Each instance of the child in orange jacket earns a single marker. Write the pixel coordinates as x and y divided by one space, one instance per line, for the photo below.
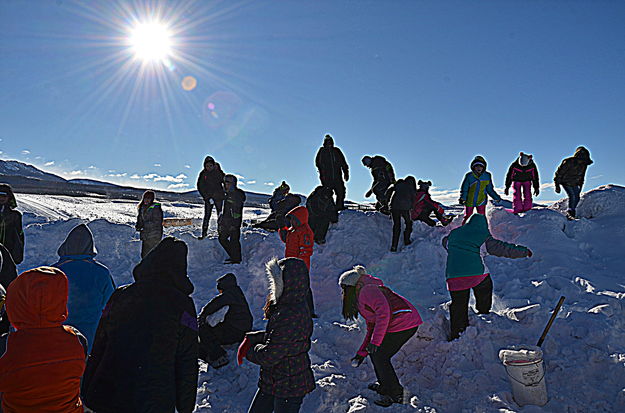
299 240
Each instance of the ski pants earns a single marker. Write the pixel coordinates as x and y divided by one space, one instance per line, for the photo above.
573 191
397 216
338 186
468 211
211 339
427 210
459 308
229 239
319 226
379 190
208 210
268 403
522 196
381 359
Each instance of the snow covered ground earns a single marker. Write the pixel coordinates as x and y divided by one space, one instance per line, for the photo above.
583 260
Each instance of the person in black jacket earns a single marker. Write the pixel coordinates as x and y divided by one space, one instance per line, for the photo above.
11 232
8 273
149 222
144 356
321 212
237 321
280 202
570 175
210 186
383 177
229 222
332 169
401 195
282 350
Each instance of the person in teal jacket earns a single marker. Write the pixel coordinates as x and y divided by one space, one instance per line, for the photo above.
465 269
477 184
90 282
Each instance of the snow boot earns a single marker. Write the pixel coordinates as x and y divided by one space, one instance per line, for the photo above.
386 400
446 220
375 386
219 363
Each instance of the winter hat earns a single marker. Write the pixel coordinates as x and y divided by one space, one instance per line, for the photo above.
284 186
230 178
209 159
328 140
524 159
351 277
366 160
478 160
425 185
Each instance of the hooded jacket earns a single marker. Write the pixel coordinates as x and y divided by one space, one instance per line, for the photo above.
283 354
144 358
41 369
382 173
150 221
475 187
11 232
331 163
384 311
517 172
422 199
232 213
320 205
238 315
90 283
298 238
402 194
210 183
572 170
463 252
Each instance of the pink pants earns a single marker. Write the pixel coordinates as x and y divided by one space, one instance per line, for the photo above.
468 211
522 197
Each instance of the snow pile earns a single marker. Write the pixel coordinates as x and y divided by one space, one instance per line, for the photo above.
582 260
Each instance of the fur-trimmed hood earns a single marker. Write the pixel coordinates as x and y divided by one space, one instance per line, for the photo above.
12 201
288 280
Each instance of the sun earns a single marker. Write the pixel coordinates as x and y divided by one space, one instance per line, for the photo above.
151 42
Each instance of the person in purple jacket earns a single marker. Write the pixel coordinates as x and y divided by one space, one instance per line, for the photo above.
391 321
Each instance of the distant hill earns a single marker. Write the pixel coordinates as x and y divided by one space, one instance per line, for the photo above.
25 178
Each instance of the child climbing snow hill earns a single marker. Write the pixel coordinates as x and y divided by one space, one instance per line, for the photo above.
522 175
475 189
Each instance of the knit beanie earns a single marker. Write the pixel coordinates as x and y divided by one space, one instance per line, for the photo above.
351 277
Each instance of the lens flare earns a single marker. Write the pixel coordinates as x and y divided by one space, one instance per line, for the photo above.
189 83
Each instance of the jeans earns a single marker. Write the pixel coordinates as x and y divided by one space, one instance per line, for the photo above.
267 403
229 238
381 359
208 210
459 308
573 193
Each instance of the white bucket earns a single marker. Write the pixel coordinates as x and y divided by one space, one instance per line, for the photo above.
524 366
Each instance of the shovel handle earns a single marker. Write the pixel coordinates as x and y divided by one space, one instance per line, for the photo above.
548 326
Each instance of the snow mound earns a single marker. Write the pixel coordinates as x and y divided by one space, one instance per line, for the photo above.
583 260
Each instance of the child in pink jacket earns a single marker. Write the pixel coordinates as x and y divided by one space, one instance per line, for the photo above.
391 321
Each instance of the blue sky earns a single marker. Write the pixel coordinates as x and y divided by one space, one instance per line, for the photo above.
428 84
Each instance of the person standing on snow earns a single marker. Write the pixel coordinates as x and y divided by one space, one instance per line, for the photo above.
465 269
333 169
149 222
90 282
210 186
391 322
522 175
298 238
321 212
475 188
401 197
236 320
280 202
144 357
44 360
8 272
570 175
230 220
423 206
11 232
282 350
383 177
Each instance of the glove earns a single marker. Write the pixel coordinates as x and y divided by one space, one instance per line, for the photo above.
507 191
243 349
372 348
368 194
357 360
536 191
557 188
461 201
346 176
529 253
